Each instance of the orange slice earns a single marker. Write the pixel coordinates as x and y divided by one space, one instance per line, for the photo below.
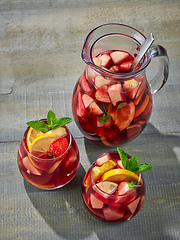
123 116
31 135
119 175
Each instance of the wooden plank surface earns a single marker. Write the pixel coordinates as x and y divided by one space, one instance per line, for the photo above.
40 52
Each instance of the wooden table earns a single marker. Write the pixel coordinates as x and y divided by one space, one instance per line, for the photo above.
40 47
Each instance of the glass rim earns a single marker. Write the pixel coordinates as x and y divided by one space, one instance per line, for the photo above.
47 159
112 194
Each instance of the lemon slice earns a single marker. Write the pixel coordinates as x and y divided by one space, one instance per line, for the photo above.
119 175
41 144
31 135
107 187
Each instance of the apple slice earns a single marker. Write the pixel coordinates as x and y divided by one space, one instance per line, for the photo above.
87 100
111 214
115 93
97 61
105 60
95 109
125 66
100 81
30 167
101 160
102 94
96 203
118 57
133 205
131 88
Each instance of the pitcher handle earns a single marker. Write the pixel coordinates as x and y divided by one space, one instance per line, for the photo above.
162 75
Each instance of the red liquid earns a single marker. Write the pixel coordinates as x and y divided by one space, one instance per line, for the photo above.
49 173
106 95
111 207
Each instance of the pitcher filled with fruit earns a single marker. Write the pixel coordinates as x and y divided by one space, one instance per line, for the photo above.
111 104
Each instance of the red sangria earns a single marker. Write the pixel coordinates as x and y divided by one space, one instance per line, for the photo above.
48 155
113 188
108 110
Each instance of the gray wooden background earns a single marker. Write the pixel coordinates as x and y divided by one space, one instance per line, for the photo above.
40 62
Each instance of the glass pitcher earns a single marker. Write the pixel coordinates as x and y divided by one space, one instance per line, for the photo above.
111 105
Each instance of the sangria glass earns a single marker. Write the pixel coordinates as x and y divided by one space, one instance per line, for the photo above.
45 171
111 105
112 201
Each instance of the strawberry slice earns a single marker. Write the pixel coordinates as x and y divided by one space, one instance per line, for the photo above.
118 57
102 94
59 147
125 66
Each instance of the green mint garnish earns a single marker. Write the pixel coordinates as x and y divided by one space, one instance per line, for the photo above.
106 116
132 163
52 122
132 184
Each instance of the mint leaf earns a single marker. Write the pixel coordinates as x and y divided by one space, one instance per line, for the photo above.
63 121
50 117
123 157
132 184
103 119
52 122
133 163
142 167
39 125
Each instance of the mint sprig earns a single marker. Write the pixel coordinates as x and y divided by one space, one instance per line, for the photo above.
132 184
52 122
132 163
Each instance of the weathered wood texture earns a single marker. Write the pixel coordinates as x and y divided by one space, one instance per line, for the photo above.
40 47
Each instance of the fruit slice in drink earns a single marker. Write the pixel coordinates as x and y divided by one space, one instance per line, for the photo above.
123 116
40 149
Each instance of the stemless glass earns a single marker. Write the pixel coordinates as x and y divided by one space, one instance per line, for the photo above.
45 171
111 207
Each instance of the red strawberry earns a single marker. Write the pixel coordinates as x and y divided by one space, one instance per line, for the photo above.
58 147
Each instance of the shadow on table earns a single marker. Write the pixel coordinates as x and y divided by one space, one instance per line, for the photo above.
65 213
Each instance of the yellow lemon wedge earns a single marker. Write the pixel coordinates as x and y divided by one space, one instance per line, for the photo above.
31 135
119 175
99 171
